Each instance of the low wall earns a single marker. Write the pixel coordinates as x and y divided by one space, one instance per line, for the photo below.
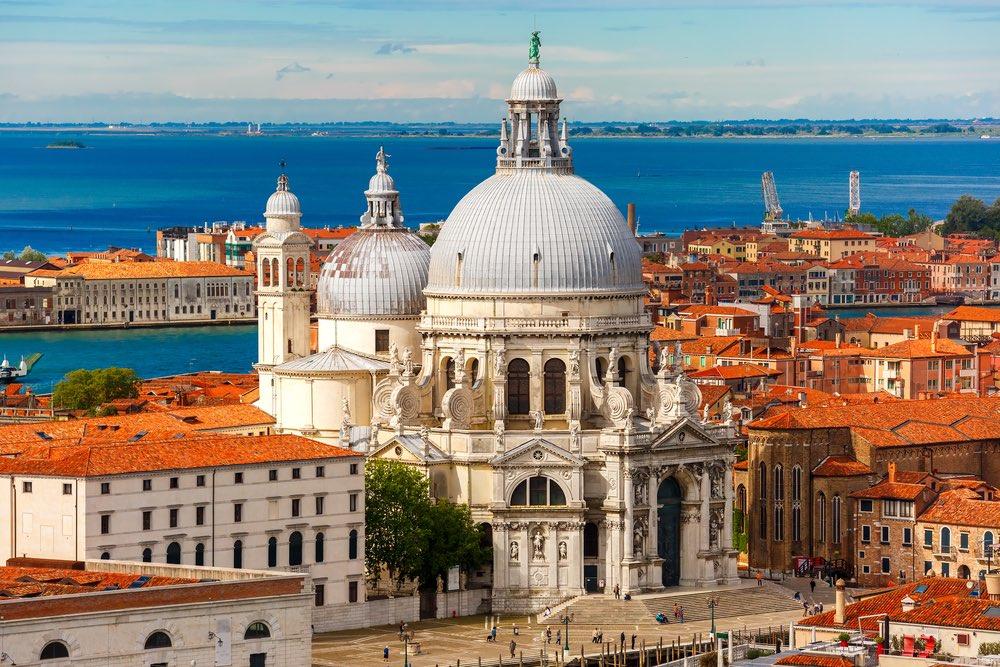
393 611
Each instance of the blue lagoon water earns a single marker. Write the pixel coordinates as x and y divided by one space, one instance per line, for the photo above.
120 188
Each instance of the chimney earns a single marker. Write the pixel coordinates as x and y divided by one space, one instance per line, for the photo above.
916 332
934 341
802 400
840 612
631 218
909 604
993 586
837 338
892 472
908 334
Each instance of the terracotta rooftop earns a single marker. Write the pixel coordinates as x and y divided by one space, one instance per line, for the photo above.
150 270
831 234
666 333
958 508
698 310
737 372
338 233
974 314
870 609
896 490
718 345
814 660
840 466
957 418
32 582
920 349
957 612
183 454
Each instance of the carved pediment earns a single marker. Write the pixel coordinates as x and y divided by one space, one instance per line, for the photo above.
409 448
537 452
684 433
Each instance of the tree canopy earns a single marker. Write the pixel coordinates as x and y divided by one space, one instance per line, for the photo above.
969 214
89 389
411 535
893 224
28 254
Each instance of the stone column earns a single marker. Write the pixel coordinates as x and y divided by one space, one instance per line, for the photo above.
537 399
574 557
524 536
629 492
612 556
552 555
652 485
727 521
706 499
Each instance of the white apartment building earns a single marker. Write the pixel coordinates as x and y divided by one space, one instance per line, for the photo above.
273 502
147 292
100 613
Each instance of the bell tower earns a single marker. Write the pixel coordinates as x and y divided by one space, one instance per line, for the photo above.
283 289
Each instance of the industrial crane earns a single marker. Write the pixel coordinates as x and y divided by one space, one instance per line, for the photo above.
854 207
772 209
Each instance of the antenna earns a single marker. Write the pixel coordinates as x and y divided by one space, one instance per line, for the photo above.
282 164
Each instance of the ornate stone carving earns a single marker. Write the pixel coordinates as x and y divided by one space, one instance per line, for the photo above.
393 358
714 527
574 436
405 404
457 405
498 435
727 411
610 374
640 487
717 472
639 538
515 551
382 399
619 402
538 420
459 367
574 365
408 362
499 363
538 544
563 553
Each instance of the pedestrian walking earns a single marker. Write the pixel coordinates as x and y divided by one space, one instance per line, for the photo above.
559 637
623 640
548 635
385 654
682 613
517 630
593 637
513 647
812 586
760 579
805 608
618 592
493 634
676 613
633 641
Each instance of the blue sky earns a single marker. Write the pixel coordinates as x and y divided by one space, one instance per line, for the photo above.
441 60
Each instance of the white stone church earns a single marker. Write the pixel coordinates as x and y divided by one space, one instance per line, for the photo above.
511 363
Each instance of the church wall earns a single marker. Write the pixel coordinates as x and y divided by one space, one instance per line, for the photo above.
316 404
359 335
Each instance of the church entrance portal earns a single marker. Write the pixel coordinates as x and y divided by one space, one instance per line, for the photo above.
668 538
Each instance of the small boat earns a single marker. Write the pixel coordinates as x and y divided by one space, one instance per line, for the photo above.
986 136
10 373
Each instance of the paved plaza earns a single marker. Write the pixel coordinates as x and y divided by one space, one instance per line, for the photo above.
445 642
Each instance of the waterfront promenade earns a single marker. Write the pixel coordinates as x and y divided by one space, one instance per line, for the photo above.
446 642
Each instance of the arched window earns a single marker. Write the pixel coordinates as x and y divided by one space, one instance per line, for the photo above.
538 491
238 554
199 554
779 522
449 373
174 553
591 540
796 483
779 483
158 639
762 480
518 387
147 555
555 387
275 272
272 552
290 272
197 291
601 366
741 505
295 549
257 630
265 273
105 556
473 370
796 522
820 517
319 547
300 272
352 545
835 519
945 539
623 371
987 543
54 651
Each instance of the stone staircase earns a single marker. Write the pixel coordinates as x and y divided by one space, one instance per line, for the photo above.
597 610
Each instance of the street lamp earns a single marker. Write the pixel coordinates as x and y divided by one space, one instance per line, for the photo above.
406 650
712 604
566 632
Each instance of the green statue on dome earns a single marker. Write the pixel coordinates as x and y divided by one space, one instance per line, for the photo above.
536 42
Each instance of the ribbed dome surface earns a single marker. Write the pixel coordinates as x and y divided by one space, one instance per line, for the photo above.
381 182
282 202
534 83
535 232
375 271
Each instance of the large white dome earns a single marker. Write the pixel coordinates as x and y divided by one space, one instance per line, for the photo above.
535 231
533 83
379 272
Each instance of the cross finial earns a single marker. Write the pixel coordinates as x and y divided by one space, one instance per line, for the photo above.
282 179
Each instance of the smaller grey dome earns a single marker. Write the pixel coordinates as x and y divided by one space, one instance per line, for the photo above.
376 271
381 182
534 83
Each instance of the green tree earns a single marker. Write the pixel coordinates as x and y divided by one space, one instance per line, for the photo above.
408 534
27 254
967 214
88 389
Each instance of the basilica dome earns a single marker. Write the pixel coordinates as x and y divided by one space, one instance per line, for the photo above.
381 269
533 83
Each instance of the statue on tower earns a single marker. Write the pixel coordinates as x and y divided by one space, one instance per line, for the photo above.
536 42
381 160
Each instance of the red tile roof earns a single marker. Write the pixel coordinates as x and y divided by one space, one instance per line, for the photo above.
740 371
831 234
896 490
697 310
870 609
151 270
189 453
974 314
840 466
814 660
958 508
922 348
